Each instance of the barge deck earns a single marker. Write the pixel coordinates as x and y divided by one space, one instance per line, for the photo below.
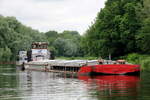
82 67
59 66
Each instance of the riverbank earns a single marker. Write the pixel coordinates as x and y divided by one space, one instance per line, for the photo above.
143 60
134 58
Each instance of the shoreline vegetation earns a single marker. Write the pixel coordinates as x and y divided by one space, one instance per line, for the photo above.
134 58
121 29
143 60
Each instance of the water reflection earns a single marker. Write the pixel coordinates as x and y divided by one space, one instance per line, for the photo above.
113 85
32 85
8 83
50 86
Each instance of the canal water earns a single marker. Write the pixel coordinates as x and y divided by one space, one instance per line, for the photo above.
32 85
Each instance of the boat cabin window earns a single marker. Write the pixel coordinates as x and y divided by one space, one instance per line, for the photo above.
39 45
33 46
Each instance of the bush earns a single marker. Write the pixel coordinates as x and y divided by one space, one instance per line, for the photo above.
133 58
143 60
145 63
5 54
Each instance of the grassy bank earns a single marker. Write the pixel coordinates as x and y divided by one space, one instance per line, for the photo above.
143 60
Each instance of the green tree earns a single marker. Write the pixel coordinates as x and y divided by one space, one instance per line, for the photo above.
114 30
66 43
143 39
14 37
51 36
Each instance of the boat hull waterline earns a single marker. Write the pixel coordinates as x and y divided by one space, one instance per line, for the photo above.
110 69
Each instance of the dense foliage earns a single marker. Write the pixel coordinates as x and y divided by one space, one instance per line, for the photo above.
65 43
122 27
14 37
143 60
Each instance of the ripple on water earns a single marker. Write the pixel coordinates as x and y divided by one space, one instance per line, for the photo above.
31 85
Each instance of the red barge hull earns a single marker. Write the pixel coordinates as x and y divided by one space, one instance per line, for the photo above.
110 69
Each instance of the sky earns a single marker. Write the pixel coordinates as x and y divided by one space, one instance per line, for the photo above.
58 15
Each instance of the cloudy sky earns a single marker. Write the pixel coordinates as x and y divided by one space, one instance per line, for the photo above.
58 15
